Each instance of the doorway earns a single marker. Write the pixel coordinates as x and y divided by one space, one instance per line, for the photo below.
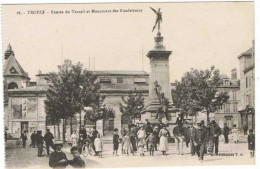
108 127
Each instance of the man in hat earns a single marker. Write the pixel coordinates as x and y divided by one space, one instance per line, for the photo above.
58 159
199 140
214 132
48 141
39 142
156 134
226 130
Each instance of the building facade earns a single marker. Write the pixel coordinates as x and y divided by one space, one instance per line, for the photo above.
247 88
228 112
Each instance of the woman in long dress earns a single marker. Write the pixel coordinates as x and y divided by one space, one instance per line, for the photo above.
163 146
127 146
74 139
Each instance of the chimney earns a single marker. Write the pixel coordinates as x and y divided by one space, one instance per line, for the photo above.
234 76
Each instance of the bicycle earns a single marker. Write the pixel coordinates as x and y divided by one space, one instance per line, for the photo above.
87 148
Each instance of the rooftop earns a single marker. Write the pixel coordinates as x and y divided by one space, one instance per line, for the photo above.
246 53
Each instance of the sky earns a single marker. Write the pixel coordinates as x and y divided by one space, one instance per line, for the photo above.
199 35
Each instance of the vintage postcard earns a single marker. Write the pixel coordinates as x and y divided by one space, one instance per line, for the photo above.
115 85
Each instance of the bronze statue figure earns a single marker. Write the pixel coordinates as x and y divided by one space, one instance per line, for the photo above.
158 18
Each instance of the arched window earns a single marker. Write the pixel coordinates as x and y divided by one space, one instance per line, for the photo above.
12 85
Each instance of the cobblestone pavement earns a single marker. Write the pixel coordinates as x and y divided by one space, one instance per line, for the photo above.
229 154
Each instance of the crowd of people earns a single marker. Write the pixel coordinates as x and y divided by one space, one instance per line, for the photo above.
200 138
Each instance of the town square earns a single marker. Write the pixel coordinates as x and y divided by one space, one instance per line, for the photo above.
144 85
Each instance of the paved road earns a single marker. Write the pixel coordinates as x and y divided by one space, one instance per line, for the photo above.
17 158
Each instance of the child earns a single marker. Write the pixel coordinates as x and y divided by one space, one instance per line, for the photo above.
251 143
98 143
77 162
151 140
235 134
115 142
126 144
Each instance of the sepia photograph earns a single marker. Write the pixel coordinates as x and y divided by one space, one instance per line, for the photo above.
128 85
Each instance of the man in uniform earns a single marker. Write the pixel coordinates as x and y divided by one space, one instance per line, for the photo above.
48 141
214 133
58 159
199 140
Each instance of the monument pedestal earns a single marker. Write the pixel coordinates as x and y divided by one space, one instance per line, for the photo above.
160 73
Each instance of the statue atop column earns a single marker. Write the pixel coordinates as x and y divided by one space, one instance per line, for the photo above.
158 19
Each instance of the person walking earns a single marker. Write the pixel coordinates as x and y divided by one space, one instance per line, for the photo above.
24 138
178 133
39 142
214 134
199 140
48 138
191 133
163 146
226 130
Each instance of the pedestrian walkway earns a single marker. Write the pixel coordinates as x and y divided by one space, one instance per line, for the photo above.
229 154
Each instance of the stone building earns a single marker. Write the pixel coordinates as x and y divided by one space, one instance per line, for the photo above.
27 112
247 87
14 77
228 112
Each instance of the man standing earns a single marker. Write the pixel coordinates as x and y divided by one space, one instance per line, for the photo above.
58 159
156 134
148 131
245 128
39 141
24 138
226 130
199 140
83 132
48 141
191 133
214 137
33 135
178 133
